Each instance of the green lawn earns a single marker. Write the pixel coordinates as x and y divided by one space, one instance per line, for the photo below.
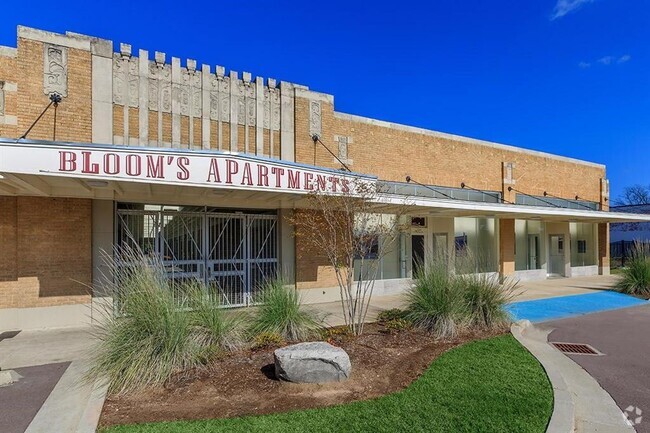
493 385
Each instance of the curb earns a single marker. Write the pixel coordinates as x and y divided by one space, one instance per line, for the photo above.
563 417
93 410
580 403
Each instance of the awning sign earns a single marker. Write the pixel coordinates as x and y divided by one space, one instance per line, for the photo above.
203 169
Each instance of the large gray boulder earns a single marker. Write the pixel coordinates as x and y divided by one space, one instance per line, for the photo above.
316 362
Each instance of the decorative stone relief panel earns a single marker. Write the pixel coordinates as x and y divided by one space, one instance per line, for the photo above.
190 92
125 80
343 144
199 94
220 98
343 148
239 98
251 109
271 108
160 87
508 168
315 121
55 69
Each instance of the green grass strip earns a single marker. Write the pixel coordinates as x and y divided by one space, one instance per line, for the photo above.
492 385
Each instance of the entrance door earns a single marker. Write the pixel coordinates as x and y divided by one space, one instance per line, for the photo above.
417 254
556 255
533 252
233 253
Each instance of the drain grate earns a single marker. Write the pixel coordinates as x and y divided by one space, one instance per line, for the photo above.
576 349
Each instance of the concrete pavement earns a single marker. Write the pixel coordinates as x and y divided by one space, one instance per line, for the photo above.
623 371
72 406
529 290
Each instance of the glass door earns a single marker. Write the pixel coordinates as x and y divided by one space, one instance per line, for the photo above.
556 255
417 254
533 252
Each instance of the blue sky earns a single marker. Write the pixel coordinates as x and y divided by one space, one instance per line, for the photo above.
570 77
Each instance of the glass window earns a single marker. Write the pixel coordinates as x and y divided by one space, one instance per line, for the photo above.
529 245
388 266
583 244
475 240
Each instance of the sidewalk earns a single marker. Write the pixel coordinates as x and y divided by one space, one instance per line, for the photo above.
72 406
528 291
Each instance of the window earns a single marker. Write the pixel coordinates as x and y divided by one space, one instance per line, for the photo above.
582 246
368 247
418 222
584 242
461 243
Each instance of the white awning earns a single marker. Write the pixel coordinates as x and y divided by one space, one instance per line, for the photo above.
459 208
45 168
208 177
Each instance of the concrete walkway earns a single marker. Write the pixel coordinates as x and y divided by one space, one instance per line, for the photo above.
529 290
73 406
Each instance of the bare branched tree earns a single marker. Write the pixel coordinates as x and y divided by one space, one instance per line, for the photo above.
349 232
633 195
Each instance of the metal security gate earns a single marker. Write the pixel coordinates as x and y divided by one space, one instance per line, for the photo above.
233 253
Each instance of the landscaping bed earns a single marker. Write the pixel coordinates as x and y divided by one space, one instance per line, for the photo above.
491 385
243 383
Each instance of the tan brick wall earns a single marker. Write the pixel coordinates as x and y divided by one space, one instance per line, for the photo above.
506 246
313 269
45 243
8 253
74 112
8 74
603 247
46 251
393 153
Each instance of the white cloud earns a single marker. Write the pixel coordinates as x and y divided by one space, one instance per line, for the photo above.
607 60
563 7
624 58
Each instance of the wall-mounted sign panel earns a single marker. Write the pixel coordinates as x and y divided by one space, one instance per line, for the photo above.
171 167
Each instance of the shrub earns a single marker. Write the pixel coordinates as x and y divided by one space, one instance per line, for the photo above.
337 334
216 329
636 275
397 324
486 298
153 338
161 327
392 314
267 339
281 312
435 302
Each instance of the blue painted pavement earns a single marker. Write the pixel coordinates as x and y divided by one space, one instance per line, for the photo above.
560 307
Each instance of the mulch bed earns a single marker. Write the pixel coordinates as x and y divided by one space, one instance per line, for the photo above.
244 384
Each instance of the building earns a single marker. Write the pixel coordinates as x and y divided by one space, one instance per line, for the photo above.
631 231
625 235
201 166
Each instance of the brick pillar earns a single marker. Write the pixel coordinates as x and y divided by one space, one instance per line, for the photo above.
603 231
506 247
603 248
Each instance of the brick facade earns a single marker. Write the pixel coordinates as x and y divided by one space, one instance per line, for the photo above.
38 265
45 257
